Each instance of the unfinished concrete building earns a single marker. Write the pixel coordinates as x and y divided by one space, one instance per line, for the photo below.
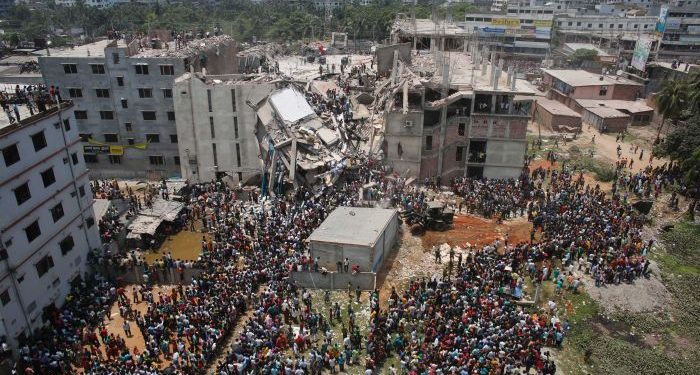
123 98
427 34
453 115
216 125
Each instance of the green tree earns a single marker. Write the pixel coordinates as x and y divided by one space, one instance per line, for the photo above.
671 101
584 54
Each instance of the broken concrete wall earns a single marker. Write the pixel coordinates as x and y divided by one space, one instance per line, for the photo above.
403 144
385 56
220 59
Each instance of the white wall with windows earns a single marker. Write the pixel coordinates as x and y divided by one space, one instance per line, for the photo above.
47 227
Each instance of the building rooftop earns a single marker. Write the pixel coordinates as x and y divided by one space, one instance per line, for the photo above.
632 106
353 225
143 48
291 105
577 78
420 26
606 112
680 68
95 49
556 108
26 119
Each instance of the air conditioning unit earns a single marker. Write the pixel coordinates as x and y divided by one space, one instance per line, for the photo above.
408 124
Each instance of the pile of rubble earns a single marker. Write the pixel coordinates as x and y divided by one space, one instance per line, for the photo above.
191 48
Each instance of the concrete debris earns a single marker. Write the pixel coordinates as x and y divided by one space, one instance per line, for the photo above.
191 48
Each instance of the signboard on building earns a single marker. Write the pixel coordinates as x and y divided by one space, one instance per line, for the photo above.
661 23
672 24
542 23
508 22
641 53
95 149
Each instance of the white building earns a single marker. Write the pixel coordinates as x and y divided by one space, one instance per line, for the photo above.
216 122
48 225
105 3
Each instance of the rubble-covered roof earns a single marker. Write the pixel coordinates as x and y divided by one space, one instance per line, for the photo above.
191 48
422 26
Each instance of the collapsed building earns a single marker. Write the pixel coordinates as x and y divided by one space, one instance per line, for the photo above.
454 114
271 128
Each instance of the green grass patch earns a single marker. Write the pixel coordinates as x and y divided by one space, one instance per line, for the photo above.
682 244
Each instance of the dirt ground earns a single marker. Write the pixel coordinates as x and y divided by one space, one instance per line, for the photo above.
184 245
476 231
115 322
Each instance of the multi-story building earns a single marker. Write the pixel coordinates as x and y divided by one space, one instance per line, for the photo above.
469 119
521 33
216 126
614 33
5 5
681 37
123 99
105 3
48 226
567 86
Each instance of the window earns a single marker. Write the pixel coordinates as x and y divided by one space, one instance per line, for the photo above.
238 155
84 137
235 127
619 26
107 115
80 115
211 127
462 127
125 103
141 69
66 245
167 70
97 68
171 115
612 25
48 177
39 141
111 137
10 154
130 141
173 138
90 222
600 25
153 138
57 212
167 93
81 190
459 156
145 93
120 81
590 25
176 160
90 158
115 58
149 115
636 26
155 160
74 158
66 124
603 91
102 93
429 142
70 68
5 297
128 127
32 231
213 152
75 93
115 159
209 99
22 193
44 265
233 99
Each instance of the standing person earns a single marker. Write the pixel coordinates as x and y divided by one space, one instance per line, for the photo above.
127 328
15 108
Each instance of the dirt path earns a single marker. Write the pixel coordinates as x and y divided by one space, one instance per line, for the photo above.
226 346
606 147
